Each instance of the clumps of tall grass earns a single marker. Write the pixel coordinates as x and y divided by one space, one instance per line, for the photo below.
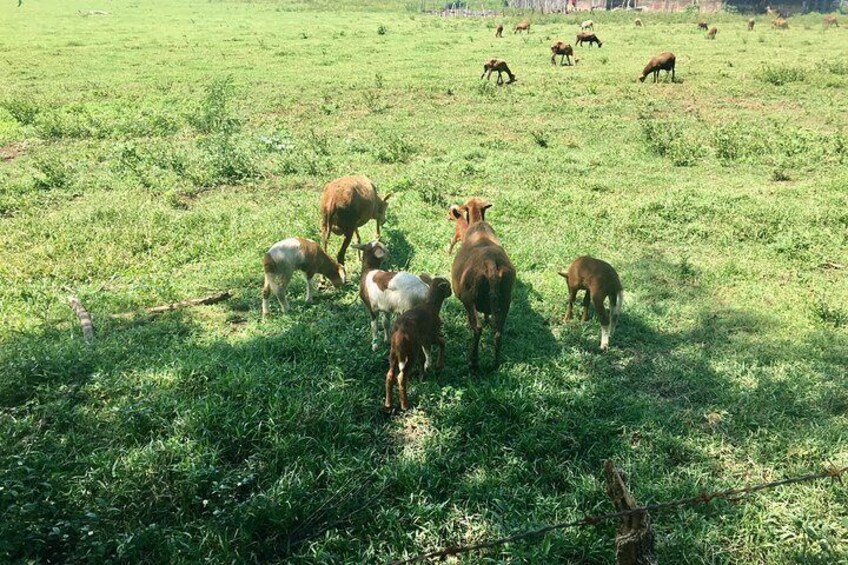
391 147
309 155
52 172
779 75
677 139
23 110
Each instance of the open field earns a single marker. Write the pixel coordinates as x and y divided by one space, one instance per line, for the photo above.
154 154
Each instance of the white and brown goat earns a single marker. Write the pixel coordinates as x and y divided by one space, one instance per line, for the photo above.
599 280
416 330
461 224
347 204
296 254
482 277
386 293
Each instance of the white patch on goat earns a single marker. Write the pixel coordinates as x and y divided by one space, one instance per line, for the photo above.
426 358
605 335
403 292
401 365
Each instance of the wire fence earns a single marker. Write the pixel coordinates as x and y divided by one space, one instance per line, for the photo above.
731 495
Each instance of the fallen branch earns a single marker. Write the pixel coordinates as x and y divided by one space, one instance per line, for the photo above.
84 318
205 301
832 265
93 13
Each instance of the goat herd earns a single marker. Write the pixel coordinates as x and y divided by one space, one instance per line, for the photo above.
662 62
482 278
482 275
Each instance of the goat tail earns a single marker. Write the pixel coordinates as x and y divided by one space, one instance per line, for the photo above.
493 274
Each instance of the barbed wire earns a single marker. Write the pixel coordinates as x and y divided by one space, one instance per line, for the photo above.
703 498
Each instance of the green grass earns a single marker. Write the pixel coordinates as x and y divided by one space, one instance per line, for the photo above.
154 154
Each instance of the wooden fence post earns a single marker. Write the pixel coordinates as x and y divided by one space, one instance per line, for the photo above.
634 540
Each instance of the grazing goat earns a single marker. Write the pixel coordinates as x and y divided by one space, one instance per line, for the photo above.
600 281
482 277
703 25
296 254
588 24
712 33
417 329
830 21
386 292
499 31
589 38
662 62
751 23
638 22
455 215
780 23
564 49
347 204
523 26
501 67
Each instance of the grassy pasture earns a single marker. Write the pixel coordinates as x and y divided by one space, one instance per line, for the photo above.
153 154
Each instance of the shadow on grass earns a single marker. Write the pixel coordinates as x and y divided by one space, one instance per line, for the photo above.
253 441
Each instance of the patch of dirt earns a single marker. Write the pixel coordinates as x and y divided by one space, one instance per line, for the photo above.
12 151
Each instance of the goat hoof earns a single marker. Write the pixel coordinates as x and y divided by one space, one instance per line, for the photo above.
375 346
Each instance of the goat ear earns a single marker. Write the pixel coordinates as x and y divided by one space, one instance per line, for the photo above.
386 197
454 213
563 274
486 205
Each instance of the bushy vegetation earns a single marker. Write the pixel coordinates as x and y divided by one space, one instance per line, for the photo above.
155 153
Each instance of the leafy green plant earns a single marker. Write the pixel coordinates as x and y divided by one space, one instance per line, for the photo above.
779 75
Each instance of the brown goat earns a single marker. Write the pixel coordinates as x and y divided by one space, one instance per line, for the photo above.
638 22
662 62
417 329
501 67
499 31
455 215
830 21
600 281
483 277
780 23
712 33
751 23
563 49
588 37
703 25
523 26
347 204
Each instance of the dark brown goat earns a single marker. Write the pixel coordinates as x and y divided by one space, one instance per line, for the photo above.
662 62
588 37
563 49
347 204
416 330
501 67
703 25
712 33
600 281
483 277
499 31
